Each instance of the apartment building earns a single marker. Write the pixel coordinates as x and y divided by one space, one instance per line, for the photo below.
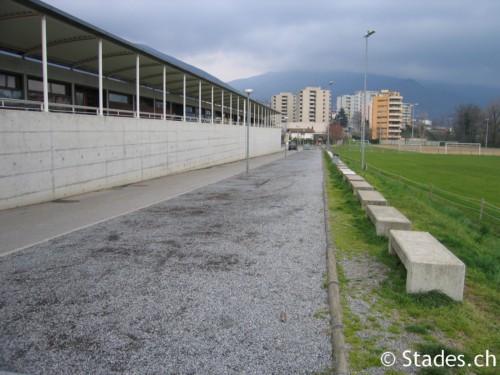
344 101
355 106
386 114
406 115
312 105
284 103
309 105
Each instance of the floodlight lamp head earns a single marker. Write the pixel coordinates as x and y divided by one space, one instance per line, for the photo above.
248 91
330 83
369 32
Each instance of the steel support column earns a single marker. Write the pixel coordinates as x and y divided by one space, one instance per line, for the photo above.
137 87
222 108
230 109
101 86
184 98
199 102
212 100
44 65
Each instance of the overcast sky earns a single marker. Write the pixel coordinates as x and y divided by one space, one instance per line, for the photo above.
446 40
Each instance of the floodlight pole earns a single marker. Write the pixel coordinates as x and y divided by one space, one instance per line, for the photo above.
486 139
248 92
366 36
412 118
328 118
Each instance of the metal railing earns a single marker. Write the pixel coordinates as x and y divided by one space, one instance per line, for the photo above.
31 105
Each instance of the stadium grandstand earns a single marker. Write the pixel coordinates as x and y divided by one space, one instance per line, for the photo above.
77 106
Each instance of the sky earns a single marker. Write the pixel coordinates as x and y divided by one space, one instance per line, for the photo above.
442 40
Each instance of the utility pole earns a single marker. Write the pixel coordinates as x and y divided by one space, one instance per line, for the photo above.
363 124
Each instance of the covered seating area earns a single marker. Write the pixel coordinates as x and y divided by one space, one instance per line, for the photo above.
53 61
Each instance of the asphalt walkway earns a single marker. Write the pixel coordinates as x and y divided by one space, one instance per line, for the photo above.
226 278
25 226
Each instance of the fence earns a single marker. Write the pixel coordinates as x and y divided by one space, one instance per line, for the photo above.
476 208
31 105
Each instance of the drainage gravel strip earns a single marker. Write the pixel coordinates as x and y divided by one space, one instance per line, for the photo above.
226 279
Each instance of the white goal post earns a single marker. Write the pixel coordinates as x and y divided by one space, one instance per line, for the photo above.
410 147
357 144
462 148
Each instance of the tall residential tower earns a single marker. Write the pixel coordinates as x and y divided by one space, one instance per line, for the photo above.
386 115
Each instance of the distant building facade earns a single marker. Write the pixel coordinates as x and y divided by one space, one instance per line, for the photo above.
311 104
344 101
355 106
305 113
406 115
284 103
386 115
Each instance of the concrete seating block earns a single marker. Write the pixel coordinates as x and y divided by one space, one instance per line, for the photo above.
353 177
429 264
385 218
366 197
347 171
360 185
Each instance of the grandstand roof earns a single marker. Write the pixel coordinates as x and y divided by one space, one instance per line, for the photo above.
73 43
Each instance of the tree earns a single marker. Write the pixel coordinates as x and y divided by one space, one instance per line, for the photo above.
356 123
337 132
493 116
469 119
341 118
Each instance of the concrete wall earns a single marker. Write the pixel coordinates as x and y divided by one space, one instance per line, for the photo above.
48 156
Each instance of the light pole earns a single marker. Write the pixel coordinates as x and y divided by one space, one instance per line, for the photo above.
285 138
486 139
363 125
248 92
328 119
412 117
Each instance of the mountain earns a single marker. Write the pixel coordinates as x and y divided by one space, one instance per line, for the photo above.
438 100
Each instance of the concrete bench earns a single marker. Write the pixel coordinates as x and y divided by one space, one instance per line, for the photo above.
366 197
429 265
360 185
347 171
353 177
385 218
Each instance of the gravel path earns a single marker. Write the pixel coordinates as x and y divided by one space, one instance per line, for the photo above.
197 284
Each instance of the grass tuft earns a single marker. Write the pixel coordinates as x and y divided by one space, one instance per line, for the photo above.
422 328
432 300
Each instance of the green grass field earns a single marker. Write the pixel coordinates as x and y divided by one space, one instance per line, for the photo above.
476 242
477 177
470 326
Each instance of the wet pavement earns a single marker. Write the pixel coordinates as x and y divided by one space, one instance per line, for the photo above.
225 279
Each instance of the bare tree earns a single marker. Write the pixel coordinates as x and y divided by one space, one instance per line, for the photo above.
469 120
492 113
356 122
337 132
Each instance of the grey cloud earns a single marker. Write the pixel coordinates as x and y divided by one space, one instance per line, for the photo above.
453 40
